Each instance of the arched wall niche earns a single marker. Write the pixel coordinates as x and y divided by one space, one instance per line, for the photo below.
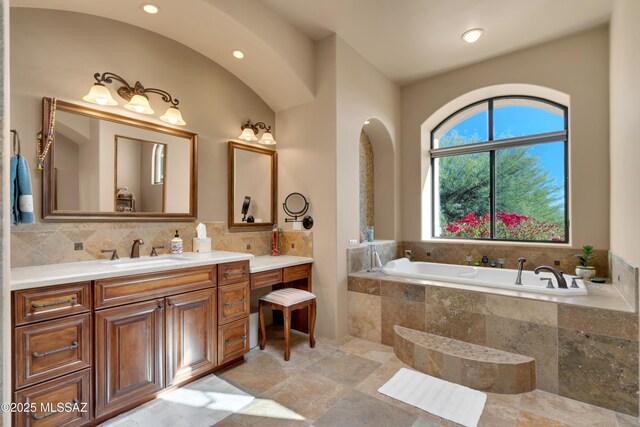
384 194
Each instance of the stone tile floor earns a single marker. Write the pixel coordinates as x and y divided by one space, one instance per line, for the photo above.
336 384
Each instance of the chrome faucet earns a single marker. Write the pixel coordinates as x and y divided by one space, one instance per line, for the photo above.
521 262
558 275
135 249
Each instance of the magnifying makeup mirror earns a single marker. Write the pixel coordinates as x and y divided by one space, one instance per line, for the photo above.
245 210
296 205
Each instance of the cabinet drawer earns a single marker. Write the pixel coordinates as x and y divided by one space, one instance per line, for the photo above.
124 290
71 391
233 340
32 305
48 349
233 302
296 272
266 278
233 272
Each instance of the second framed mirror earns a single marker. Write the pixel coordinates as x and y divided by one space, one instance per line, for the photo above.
252 187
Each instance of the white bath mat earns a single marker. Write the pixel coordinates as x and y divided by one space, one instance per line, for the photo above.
447 400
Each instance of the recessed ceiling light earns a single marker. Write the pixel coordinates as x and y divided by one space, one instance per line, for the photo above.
150 8
238 54
472 36
366 122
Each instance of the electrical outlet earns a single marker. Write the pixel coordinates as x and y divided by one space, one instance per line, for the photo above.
353 242
428 253
556 262
78 246
248 247
293 246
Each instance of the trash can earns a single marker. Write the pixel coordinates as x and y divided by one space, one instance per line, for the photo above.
254 323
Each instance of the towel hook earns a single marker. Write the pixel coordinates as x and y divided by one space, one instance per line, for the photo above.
16 142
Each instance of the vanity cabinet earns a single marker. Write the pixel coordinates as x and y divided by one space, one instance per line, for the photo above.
129 354
116 343
191 335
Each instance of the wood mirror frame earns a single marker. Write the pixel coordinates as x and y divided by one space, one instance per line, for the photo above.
53 215
231 191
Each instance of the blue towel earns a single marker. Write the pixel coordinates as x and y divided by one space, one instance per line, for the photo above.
21 194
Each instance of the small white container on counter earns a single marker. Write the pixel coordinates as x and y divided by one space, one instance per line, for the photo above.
202 244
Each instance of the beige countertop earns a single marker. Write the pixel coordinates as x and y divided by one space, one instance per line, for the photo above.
56 274
267 262
604 296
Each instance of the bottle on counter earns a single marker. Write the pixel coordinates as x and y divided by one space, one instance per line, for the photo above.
176 244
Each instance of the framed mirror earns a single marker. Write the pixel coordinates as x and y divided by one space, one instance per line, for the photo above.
252 187
104 166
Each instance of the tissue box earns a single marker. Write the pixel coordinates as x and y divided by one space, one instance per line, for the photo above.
202 244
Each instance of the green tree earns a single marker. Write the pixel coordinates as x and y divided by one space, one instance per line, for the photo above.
523 185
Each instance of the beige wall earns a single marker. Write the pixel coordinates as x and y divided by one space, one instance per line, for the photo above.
625 111
576 65
307 164
5 291
214 103
319 156
67 166
363 92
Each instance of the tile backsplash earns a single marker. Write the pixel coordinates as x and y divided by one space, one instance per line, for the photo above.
51 243
455 253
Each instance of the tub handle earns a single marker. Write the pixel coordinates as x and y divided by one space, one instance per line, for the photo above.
549 282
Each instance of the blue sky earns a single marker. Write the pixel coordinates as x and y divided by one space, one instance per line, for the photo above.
518 121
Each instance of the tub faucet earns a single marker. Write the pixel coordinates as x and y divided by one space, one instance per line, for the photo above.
135 249
521 262
558 275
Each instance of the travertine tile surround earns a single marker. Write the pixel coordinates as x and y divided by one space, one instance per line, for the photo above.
624 277
455 253
51 243
588 354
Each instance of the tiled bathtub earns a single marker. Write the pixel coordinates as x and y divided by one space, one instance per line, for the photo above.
586 350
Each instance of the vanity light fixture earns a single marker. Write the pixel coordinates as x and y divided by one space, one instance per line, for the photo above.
238 54
250 132
366 122
136 95
472 35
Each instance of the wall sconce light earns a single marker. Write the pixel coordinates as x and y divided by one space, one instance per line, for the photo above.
249 132
136 95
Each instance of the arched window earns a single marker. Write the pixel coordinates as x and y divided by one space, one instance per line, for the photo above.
157 164
499 171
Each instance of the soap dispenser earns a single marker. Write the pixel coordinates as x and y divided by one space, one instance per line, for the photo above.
176 244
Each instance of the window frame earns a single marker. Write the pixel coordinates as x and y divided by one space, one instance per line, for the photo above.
158 155
491 146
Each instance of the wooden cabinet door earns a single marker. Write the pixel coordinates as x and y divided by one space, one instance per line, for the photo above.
191 335
129 354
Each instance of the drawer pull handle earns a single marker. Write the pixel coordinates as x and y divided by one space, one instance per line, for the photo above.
54 303
59 350
231 304
230 343
231 273
42 417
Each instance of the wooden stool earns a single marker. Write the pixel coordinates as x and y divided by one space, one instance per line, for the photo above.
287 300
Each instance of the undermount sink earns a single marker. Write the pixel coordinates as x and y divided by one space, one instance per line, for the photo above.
147 261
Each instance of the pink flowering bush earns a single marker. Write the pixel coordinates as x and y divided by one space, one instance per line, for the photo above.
508 226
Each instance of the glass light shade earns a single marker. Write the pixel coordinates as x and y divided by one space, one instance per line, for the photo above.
100 95
173 116
139 104
248 135
267 139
